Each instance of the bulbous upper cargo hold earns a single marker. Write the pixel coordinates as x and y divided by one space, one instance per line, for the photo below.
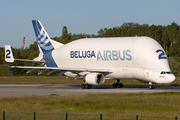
115 52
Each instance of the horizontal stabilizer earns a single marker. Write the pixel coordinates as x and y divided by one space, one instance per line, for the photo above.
10 58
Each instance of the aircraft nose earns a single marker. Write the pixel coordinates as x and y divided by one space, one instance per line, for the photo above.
172 77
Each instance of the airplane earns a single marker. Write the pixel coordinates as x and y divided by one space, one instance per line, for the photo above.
95 60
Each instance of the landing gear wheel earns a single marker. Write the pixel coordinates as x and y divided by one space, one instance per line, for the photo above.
90 86
86 86
121 85
117 85
114 85
151 86
83 86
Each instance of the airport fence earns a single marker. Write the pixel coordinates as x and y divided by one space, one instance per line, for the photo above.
59 116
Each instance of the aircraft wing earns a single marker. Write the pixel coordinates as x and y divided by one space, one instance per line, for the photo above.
53 69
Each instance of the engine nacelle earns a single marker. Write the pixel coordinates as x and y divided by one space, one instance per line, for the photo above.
94 78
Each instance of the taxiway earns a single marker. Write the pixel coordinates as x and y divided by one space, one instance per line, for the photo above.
10 90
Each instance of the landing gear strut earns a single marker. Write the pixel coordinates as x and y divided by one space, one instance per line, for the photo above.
151 85
86 86
117 85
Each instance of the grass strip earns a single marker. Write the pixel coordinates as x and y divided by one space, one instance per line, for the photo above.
142 104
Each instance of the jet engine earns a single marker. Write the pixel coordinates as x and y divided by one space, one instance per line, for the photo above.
94 78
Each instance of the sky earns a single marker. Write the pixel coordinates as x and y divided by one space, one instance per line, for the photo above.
80 16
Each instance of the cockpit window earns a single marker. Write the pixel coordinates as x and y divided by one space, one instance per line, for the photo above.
163 72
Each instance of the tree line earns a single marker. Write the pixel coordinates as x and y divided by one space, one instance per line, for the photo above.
167 36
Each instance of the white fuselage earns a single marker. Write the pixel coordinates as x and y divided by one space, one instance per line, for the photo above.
139 58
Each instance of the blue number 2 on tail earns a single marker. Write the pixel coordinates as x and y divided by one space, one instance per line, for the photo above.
162 55
8 53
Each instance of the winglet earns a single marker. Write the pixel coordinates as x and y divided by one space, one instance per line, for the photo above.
8 54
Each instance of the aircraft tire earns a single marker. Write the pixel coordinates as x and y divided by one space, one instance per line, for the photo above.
86 86
121 85
118 85
90 86
114 85
83 86
151 87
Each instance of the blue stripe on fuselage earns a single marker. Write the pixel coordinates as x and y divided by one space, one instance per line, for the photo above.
49 59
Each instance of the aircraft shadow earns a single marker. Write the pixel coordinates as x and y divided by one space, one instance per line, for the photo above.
126 86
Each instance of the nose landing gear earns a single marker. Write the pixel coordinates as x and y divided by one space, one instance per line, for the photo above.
117 85
151 85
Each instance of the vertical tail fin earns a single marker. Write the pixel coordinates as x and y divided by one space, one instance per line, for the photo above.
42 37
46 44
8 54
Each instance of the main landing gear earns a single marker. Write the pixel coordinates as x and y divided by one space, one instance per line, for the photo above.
151 85
117 85
86 86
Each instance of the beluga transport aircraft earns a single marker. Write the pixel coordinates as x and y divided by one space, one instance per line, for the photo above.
95 59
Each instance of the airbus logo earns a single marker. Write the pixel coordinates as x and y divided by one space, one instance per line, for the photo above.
105 55
114 55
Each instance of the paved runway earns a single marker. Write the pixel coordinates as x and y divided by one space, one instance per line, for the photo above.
8 90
